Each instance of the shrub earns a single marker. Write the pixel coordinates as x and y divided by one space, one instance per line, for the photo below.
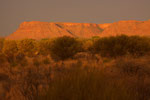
24 62
10 48
81 84
1 44
46 61
21 59
44 46
121 45
36 62
138 46
87 45
2 59
28 47
102 46
64 48
131 66
135 73
20 56
107 46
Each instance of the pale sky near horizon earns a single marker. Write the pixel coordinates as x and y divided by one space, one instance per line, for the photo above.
14 12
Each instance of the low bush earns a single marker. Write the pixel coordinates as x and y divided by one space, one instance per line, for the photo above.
27 47
85 84
2 59
130 66
36 62
64 48
21 59
10 48
122 45
138 46
86 45
46 61
111 46
1 44
44 46
136 74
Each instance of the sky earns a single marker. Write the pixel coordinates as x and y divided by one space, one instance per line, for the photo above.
14 12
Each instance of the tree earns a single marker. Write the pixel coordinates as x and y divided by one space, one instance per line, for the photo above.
28 47
112 46
87 44
1 44
10 50
138 46
122 45
44 46
64 48
103 46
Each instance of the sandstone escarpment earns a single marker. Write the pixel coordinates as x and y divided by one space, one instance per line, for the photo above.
140 28
40 30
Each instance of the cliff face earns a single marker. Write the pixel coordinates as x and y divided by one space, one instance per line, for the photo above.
140 28
39 30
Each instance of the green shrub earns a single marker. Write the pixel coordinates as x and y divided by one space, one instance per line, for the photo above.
82 84
21 59
28 47
10 48
86 45
2 59
1 44
36 62
24 62
44 46
64 48
121 45
138 46
137 72
102 46
46 61
20 56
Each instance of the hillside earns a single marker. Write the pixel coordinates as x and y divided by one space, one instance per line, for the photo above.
39 30
131 27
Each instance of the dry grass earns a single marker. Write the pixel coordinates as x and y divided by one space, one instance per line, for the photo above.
84 77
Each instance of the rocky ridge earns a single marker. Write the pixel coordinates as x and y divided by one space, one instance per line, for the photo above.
40 30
